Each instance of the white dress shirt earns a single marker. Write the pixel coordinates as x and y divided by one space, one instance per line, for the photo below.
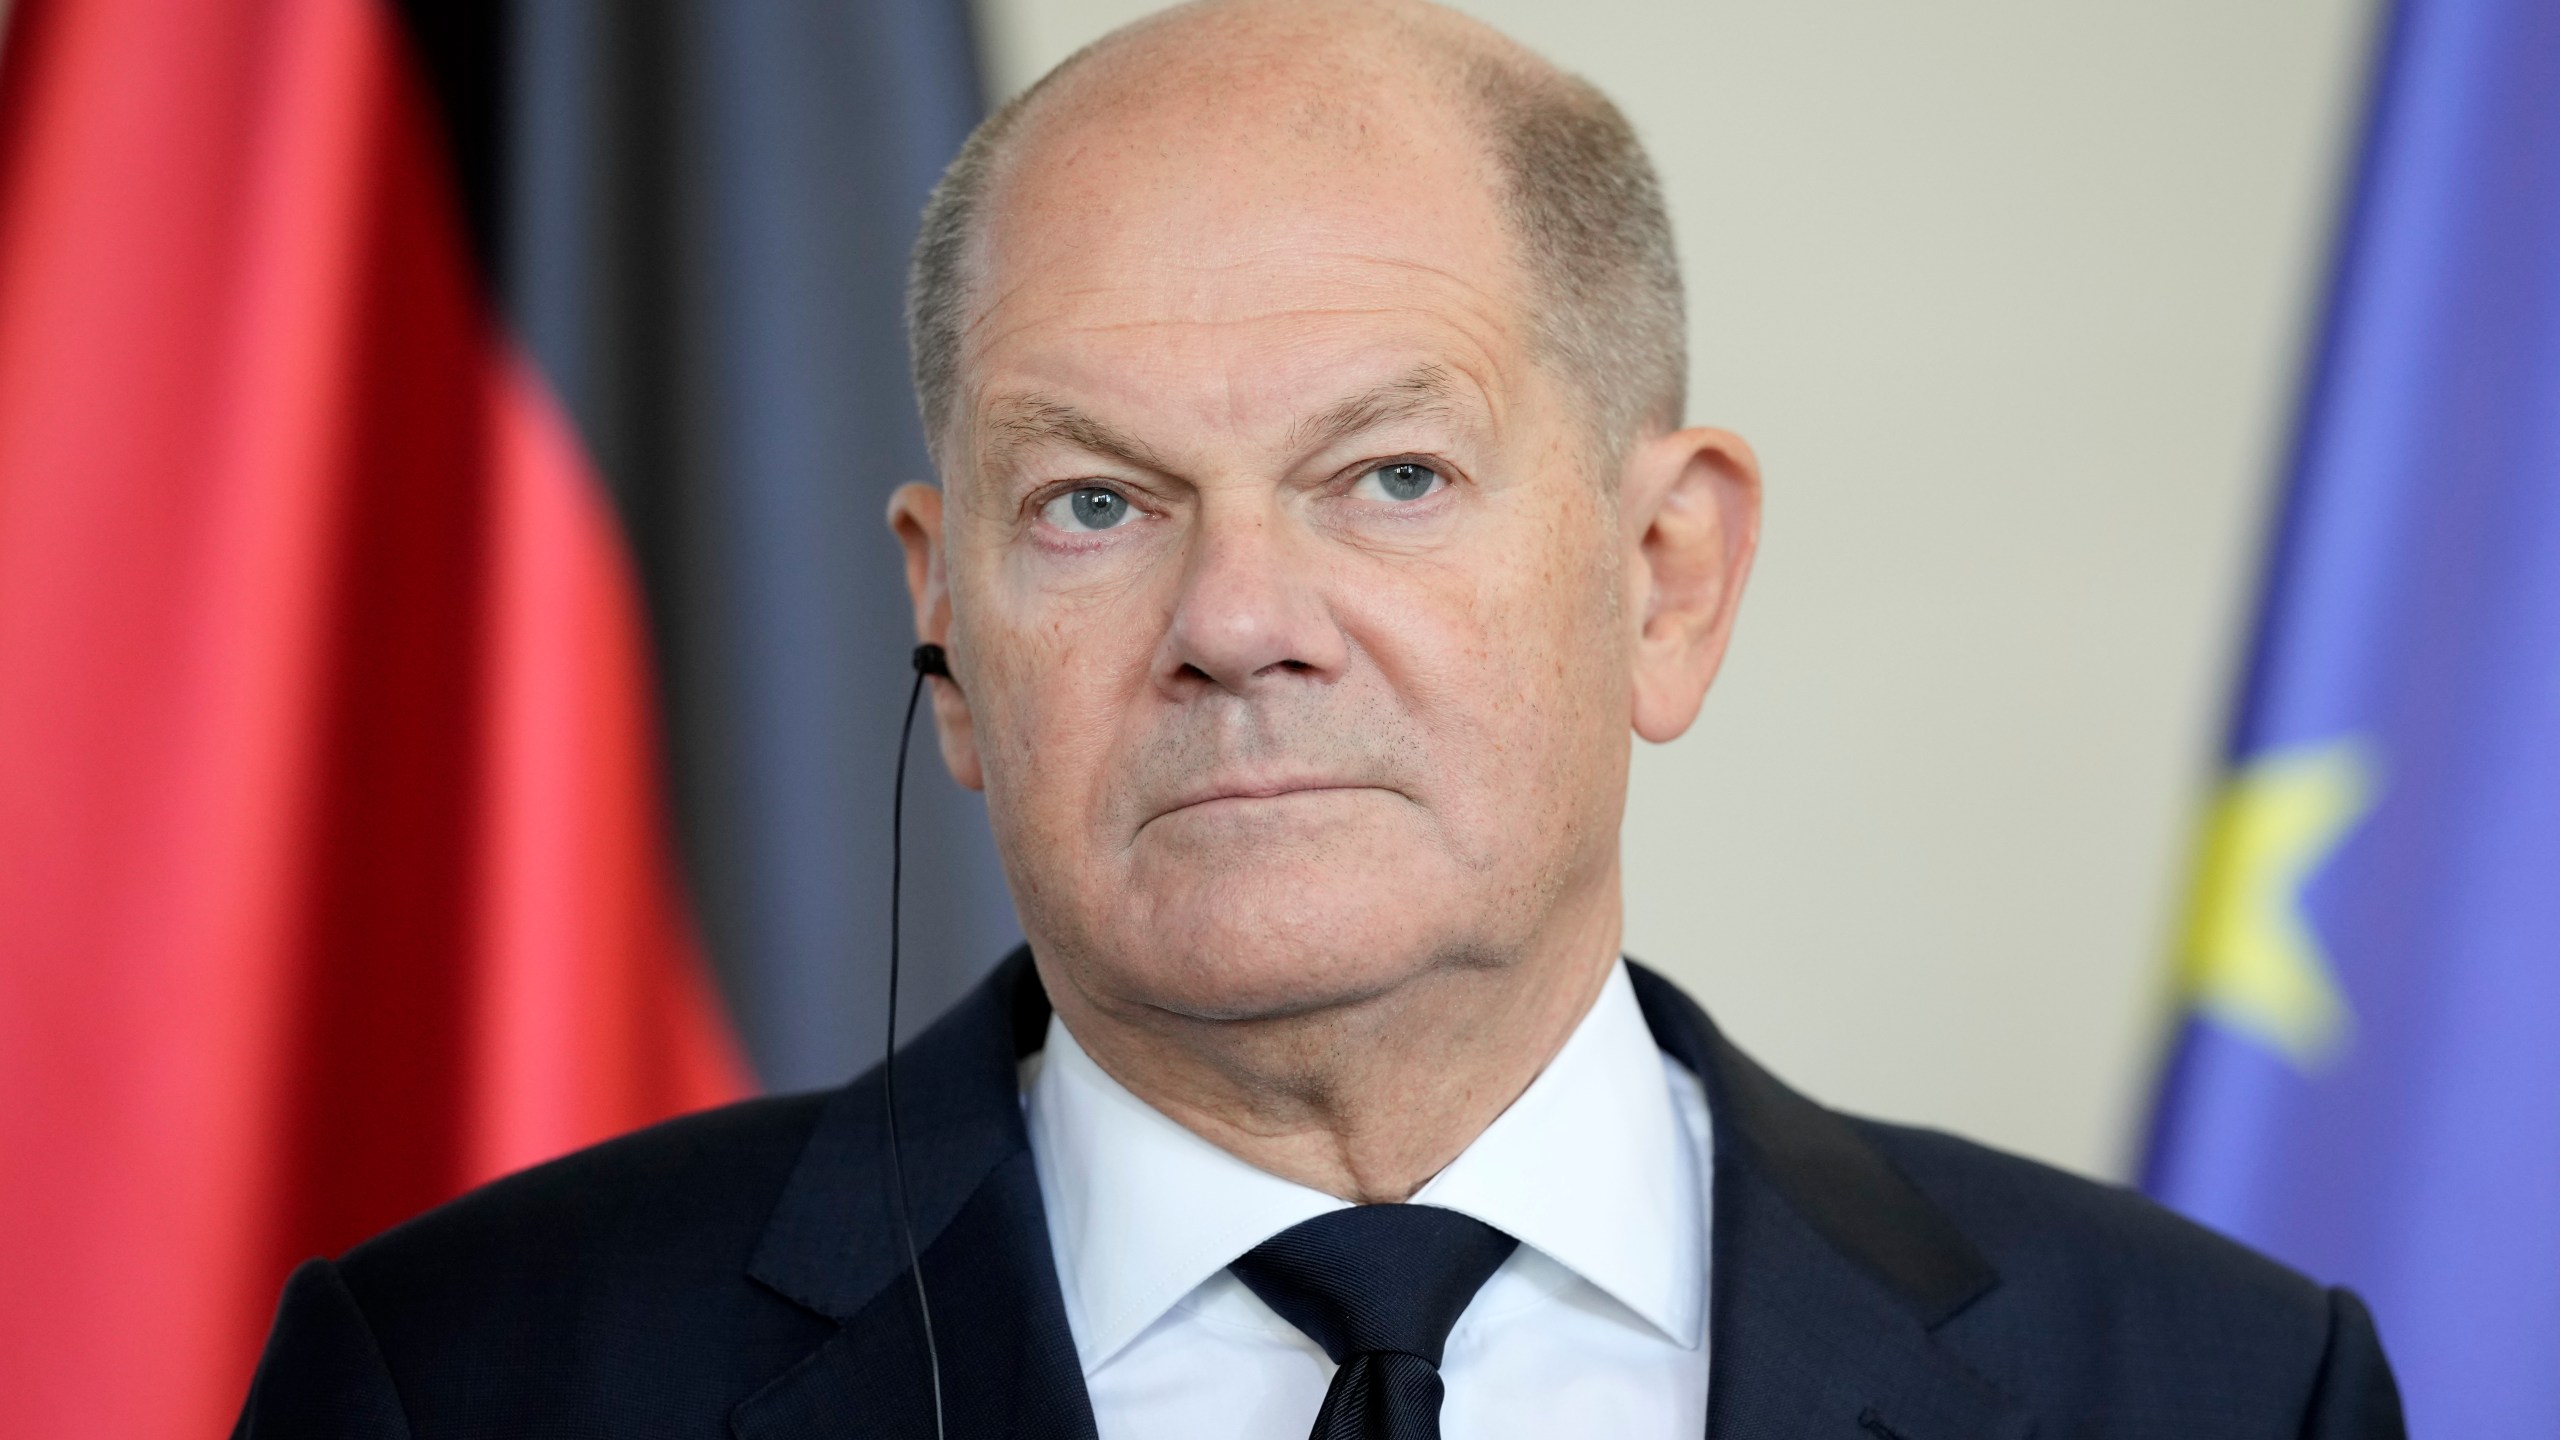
1596 1325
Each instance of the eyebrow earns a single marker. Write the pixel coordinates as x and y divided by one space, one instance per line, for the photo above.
1423 390
1026 422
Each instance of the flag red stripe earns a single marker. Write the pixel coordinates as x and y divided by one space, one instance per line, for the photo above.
591 1008
333 847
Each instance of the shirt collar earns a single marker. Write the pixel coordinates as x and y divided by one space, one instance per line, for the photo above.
1589 1166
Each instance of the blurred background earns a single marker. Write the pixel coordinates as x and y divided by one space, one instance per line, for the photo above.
450 655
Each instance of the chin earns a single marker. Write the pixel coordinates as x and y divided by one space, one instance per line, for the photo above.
1287 936
1269 908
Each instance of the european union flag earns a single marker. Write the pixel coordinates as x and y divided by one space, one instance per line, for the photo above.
2367 1083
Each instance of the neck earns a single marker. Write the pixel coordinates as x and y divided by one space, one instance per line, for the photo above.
1370 1097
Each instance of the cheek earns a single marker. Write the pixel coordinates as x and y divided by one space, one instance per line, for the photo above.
1054 683
1514 672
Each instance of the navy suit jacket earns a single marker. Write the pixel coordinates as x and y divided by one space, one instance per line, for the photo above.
739 1273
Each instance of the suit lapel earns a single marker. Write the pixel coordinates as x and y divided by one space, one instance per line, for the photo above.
1807 1343
1831 1271
1008 1365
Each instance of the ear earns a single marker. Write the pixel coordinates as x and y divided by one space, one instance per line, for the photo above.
1690 501
915 517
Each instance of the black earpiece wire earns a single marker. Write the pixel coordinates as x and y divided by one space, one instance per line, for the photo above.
928 660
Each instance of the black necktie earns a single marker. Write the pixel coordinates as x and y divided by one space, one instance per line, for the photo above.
1378 1286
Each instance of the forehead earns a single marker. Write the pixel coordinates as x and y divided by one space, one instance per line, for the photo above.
1236 242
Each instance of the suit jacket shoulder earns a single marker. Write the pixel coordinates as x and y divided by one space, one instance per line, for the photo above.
587 1292
1941 1287
2176 1330
737 1273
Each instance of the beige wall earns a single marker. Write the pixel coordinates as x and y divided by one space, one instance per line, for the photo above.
2010 297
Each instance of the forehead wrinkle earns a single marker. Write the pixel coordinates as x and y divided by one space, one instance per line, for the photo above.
1489 302
1375 296
1021 421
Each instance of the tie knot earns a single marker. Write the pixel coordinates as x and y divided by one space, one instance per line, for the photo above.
1376 1277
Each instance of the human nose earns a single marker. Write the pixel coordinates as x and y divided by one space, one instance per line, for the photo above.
1251 613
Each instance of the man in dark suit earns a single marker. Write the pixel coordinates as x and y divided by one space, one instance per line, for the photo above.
1317 521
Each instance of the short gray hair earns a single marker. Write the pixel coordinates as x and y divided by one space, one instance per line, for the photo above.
1581 197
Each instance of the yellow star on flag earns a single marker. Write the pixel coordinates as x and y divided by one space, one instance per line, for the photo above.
2251 959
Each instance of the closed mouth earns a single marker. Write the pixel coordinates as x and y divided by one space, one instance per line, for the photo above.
1263 792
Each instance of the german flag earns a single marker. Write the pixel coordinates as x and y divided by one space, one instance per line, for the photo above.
448 646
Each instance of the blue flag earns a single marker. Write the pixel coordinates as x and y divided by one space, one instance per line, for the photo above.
2367 1080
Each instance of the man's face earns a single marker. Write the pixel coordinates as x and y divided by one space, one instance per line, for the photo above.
1286 609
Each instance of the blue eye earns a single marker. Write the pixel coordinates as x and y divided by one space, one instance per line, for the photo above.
1089 507
1399 481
